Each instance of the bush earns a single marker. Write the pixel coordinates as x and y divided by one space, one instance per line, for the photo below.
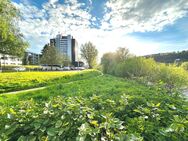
134 67
171 75
185 66
138 67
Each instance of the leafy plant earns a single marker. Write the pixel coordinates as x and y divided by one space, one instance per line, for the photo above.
100 108
147 69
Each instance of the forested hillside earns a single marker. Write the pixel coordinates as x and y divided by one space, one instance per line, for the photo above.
169 57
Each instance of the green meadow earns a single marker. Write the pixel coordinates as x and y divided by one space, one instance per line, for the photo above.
101 107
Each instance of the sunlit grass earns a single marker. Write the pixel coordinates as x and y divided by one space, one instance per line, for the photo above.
122 105
22 80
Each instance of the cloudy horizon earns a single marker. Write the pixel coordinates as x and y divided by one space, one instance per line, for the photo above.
143 26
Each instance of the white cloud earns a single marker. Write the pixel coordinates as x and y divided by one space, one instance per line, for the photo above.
143 15
121 17
53 1
39 25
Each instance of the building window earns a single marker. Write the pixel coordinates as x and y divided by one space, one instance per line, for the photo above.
4 58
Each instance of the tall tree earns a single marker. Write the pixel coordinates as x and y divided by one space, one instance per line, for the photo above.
122 54
89 53
107 61
11 40
110 60
51 56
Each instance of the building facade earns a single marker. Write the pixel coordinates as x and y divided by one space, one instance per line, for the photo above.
31 58
67 45
10 60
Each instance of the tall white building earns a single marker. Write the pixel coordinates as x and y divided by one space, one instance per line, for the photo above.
66 45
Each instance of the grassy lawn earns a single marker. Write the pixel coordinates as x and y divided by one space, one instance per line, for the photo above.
102 107
103 85
24 80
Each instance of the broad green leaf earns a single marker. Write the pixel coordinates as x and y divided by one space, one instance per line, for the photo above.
31 138
37 126
22 138
51 131
58 124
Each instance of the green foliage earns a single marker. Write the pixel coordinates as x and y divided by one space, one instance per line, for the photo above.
25 80
134 67
51 56
122 54
89 53
11 40
101 108
170 57
185 66
110 60
151 71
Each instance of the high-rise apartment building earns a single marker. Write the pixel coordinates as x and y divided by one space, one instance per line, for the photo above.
67 45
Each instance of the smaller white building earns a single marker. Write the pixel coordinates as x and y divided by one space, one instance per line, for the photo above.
10 60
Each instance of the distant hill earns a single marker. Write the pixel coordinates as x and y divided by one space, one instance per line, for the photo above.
169 57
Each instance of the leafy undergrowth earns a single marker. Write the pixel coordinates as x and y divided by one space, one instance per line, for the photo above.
102 108
24 80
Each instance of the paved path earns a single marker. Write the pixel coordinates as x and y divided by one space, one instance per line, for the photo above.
22 91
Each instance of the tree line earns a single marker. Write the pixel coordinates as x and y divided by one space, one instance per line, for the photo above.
169 57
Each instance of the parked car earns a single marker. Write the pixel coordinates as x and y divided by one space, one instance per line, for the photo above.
79 68
66 68
51 68
72 68
19 69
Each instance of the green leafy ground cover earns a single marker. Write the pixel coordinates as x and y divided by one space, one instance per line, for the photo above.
25 80
102 108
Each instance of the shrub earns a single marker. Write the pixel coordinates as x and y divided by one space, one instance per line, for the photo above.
171 75
138 67
135 67
185 65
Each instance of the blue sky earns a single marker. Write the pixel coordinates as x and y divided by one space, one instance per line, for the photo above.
143 26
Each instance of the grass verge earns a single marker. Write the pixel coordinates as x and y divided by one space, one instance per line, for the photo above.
25 80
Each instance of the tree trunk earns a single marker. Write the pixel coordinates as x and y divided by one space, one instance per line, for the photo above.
0 66
4 62
90 67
